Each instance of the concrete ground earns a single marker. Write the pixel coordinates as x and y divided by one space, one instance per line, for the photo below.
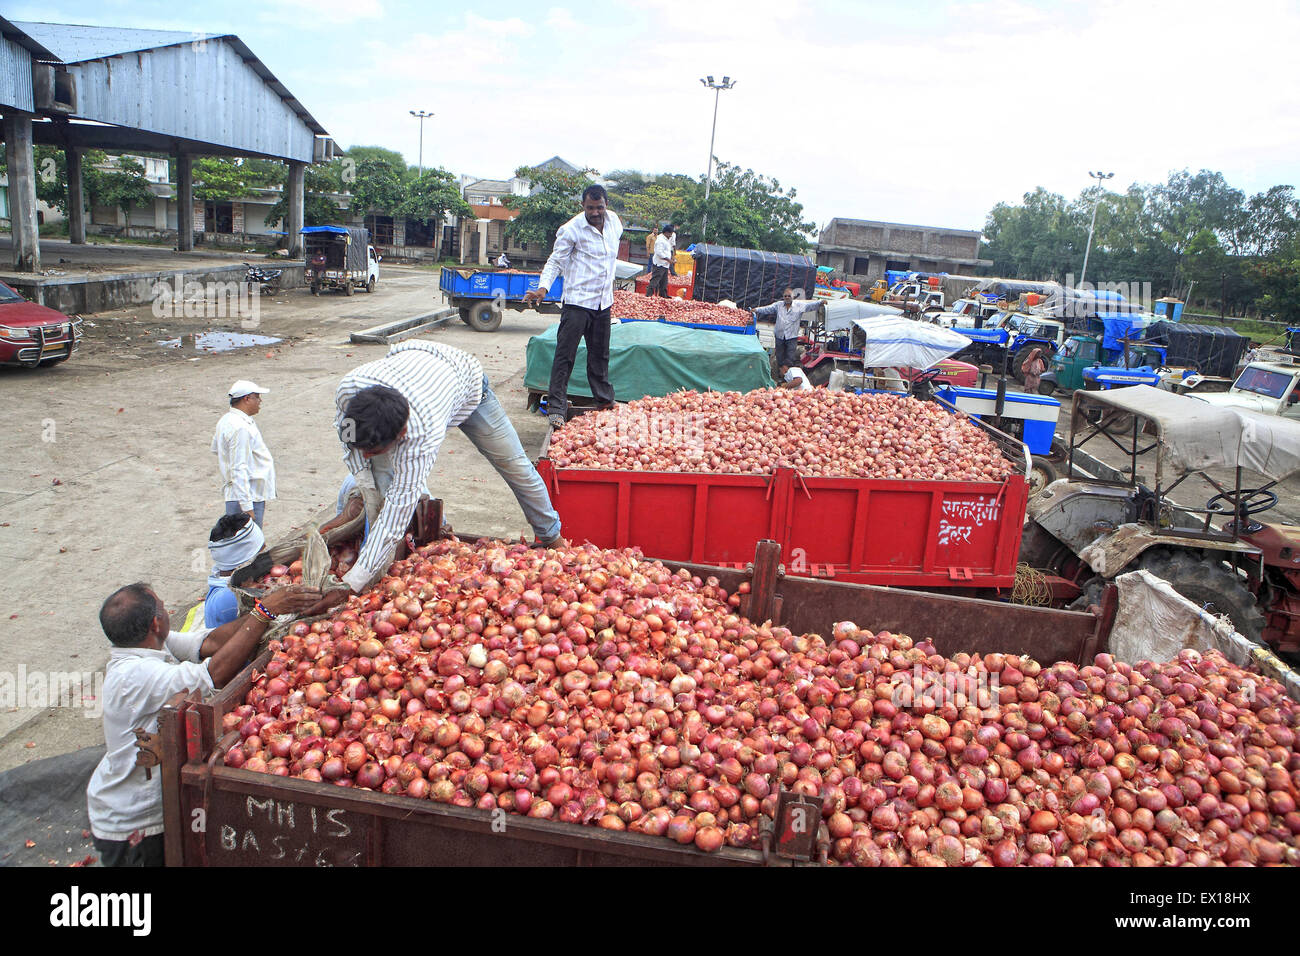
106 476
61 257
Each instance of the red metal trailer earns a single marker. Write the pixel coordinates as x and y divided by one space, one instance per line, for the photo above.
929 534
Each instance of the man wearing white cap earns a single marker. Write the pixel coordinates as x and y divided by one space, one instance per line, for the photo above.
247 470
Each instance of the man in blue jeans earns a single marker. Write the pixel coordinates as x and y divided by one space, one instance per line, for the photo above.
393 415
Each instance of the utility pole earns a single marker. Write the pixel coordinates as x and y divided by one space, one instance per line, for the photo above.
726 84
421 116
1100 177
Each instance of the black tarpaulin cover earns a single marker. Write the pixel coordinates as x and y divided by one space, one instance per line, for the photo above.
750 278
1210 349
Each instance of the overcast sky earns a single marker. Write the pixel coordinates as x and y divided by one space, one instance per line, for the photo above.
924 112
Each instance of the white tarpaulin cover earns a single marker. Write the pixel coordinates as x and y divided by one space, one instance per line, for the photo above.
841 313
1196 435
1154 622
906 343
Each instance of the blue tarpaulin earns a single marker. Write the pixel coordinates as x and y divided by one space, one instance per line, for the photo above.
1117 326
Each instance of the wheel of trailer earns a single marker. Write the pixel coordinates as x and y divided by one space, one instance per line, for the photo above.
370 284
484 318
820 374
1041 474
464 314
347 287
1209 583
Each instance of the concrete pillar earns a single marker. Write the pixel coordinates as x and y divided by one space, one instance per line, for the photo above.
76 197
293 225
21 164
483 225
184 202
160 214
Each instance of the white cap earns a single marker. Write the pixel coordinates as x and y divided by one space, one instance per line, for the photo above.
244 387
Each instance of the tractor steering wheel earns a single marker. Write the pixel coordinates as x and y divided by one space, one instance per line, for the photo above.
1251 502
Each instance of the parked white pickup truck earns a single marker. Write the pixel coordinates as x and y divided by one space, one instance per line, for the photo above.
1262 387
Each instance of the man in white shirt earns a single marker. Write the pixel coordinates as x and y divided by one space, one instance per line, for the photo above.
786 314
150 663
586 250
247 470
792 376
502 261
393 415
661 264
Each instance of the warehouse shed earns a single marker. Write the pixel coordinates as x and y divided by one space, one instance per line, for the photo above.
164 91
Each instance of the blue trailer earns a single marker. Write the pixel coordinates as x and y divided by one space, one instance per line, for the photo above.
482 296
1025 416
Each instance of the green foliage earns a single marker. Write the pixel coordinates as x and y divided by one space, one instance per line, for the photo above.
748 210
121 184
435 195
557 199
219 180
318 209
1193 231
1277 279
378 184
655 205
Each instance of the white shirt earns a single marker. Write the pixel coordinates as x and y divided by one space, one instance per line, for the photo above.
443 387
787 320
502 261
137 682
247 471
585 256
794 373
663 251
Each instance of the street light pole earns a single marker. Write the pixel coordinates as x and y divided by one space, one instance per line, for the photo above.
1100 177
726 84
420 116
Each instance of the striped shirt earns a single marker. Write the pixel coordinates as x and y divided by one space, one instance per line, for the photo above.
443 387
585 256
787 320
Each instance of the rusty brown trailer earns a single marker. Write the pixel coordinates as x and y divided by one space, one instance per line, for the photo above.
217 815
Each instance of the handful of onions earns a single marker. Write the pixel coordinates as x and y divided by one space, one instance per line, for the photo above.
596 687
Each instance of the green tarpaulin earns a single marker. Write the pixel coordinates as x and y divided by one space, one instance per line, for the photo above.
650 358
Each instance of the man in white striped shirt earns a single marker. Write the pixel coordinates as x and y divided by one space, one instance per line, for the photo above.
393 415
586 250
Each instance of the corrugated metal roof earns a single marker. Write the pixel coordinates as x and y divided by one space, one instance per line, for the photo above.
74 42
78 43
12 32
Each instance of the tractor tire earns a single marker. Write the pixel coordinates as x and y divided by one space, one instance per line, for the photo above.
484 318
1046 388
1040 550
1041 474
1018 359
1209 583
820 374
1091 595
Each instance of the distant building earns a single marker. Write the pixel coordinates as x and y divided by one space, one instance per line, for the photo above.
863 249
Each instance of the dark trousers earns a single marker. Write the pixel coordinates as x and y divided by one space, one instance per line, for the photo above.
787 352
658 282
148 852
578 324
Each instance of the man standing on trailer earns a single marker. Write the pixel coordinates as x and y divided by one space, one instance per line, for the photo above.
786 314
585 253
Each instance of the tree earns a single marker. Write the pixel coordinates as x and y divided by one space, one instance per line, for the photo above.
1278 281
116 182
434 195
320 183
555 200
378 184
219 180
656 205
748 210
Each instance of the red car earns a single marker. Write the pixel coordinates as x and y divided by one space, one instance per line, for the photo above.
32 334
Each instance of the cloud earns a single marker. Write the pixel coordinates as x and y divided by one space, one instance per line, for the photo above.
312 14
560 19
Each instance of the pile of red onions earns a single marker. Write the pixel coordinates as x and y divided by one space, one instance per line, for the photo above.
816 432
597 687
343 554
633 305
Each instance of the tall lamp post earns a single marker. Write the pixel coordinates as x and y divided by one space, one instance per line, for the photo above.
726 84
420 116
1101 178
